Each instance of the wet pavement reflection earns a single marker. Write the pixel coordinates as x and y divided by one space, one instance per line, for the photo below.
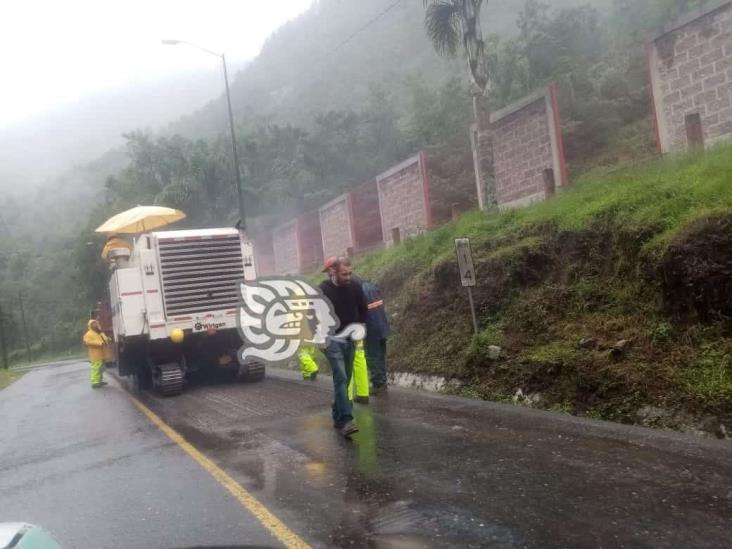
432 471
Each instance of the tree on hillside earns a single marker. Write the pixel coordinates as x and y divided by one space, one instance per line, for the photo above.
436 116
601 73
450 23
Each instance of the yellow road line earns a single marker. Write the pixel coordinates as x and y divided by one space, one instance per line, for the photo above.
250 503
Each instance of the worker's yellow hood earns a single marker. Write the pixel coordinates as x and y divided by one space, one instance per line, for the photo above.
89 324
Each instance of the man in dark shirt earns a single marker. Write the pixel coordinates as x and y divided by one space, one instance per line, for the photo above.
350 307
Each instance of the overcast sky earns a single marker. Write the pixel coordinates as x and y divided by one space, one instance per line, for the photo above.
53 52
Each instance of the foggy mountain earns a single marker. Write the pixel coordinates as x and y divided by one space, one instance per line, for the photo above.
319 61
332 55
76 134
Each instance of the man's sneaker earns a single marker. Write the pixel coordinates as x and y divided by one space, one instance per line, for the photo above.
338 425
313 376
96 385
361 400
378 390
103 383
349 429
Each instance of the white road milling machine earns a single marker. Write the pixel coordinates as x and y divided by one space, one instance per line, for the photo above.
175 301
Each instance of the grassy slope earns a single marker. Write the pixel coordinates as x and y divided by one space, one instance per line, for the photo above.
591 263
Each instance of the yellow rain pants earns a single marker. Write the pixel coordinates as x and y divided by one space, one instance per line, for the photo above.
97 367
308 366
360 378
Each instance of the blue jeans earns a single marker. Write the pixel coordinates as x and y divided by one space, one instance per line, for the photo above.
340 353
376 359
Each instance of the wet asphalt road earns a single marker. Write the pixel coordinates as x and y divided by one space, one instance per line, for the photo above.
425 470
91 469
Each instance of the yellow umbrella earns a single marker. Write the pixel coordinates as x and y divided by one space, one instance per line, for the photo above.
140 219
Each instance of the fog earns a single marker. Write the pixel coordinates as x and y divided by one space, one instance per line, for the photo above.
83 73
45 145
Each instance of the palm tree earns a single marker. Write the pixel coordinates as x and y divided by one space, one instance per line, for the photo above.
451 22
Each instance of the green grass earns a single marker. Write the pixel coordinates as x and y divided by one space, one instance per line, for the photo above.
663 196
491 334
586 263
709 378
556 353
7 377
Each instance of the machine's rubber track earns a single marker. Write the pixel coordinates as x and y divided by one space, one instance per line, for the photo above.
169 379
252 372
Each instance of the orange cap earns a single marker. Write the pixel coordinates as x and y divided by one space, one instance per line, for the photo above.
329 262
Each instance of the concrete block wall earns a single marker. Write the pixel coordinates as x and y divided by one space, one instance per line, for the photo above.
364 218
690 65
336 224
404 198
286 249
526 141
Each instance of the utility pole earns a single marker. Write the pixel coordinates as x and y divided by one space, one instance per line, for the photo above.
2 338
25 327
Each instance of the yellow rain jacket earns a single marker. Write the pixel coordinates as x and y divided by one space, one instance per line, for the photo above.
96 344
115 242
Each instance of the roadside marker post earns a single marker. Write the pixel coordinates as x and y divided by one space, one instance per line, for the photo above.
467 273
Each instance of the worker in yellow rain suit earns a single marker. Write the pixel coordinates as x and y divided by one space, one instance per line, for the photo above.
360 379
306 353
96 344
308 366
114 241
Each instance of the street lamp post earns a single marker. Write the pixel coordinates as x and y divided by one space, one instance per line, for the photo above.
234 148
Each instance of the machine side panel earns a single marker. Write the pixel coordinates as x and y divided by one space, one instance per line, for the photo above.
247 252
131 302
152 292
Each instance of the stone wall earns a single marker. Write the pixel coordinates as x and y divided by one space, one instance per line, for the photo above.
690 64
363 219
404 199
336 226
527 150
